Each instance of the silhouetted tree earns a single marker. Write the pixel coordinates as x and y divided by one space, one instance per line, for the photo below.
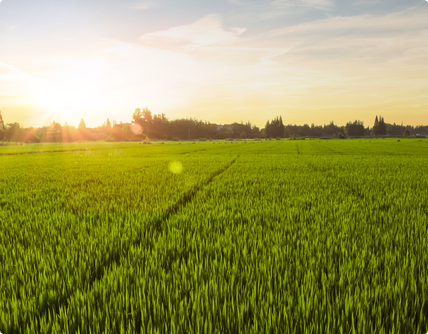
144 118
355 129
160 127
69 133
13 132
83 133
53 133
82 125
2 127
275 128
375 129
381 127
406 133
393 129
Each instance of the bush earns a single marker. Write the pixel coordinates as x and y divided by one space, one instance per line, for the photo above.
175 138
340 135
109 139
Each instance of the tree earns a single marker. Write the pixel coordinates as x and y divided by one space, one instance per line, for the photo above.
13 132
53 132
137 116
147 114
82 125
355 129
143 118
381 127
275 128
340 135
159 126
108 124
2 127
406 133
375 129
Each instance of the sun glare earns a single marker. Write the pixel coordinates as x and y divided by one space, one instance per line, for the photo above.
61 106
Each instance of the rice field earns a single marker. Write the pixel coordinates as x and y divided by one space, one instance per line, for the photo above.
285 236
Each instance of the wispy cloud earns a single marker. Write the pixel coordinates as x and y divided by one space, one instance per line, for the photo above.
206 31
367 2
318 4
262 10
400 36
143 5
10 97
392 24
10 69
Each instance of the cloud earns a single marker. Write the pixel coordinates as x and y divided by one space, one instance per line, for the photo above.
367 2
206 31
318 4
11 97
143 5
365 37
370 24
10 69
278 12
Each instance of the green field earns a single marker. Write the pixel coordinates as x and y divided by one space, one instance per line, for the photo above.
285 236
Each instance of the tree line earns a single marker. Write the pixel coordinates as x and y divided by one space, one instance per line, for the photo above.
145 125
276 129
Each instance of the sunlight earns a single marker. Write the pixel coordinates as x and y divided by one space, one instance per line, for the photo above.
57 103
62 106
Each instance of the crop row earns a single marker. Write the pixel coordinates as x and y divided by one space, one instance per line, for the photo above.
279 237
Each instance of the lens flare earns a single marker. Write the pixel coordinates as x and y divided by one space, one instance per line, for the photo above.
176 167
136 128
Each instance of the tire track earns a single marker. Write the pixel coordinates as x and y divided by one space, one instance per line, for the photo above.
188 197
143 235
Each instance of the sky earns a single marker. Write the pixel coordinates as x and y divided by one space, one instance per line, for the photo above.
223 61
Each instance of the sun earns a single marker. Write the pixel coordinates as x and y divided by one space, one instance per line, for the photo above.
60 105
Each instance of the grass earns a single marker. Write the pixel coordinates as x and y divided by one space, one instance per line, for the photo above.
283 236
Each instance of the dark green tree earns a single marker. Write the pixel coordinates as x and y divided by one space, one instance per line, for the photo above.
144 118
275 128
406 133
381 127
13 132
375 129
355 129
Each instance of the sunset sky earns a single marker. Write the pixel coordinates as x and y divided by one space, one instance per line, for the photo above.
309 61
